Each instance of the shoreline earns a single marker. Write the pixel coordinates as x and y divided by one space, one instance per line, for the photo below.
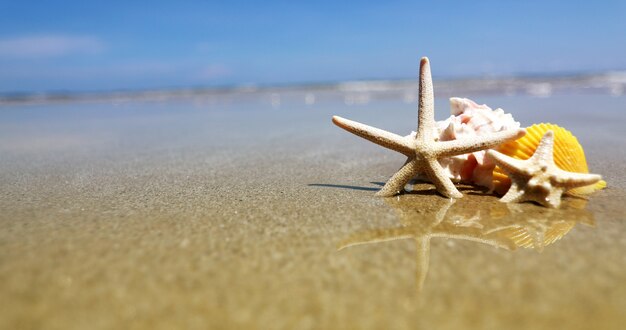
610 83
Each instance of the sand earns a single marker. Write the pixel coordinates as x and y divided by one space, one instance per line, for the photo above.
218 213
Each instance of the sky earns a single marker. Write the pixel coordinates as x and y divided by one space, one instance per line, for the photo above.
126 45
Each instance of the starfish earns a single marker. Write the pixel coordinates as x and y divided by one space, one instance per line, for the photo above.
538 179
423 151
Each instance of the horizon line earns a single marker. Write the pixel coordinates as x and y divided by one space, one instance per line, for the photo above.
301 84
611 81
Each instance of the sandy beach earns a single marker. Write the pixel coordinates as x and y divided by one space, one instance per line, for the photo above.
253 213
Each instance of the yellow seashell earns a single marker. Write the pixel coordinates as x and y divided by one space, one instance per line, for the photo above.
568 155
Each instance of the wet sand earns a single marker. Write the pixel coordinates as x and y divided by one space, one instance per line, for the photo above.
239 214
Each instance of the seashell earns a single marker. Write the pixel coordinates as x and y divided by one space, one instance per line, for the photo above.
470 120
568 156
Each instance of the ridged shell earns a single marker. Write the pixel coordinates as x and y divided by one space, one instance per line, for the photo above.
568 155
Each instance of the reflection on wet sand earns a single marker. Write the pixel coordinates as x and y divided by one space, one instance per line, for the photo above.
500 225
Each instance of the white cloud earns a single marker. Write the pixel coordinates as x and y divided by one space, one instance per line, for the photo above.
49 46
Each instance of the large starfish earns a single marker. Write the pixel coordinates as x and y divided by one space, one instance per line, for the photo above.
538 179
424 151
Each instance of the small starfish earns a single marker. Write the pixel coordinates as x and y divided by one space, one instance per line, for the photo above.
424 151
538 179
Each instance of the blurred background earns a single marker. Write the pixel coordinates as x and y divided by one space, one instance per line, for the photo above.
95 46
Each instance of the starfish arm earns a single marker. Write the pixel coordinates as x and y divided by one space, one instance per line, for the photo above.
442 182
545 149
554 198
464 146
569 180
381 137
514 195
397 182
509 164
426 111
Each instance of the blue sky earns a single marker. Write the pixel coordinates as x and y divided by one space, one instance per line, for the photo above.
109 45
